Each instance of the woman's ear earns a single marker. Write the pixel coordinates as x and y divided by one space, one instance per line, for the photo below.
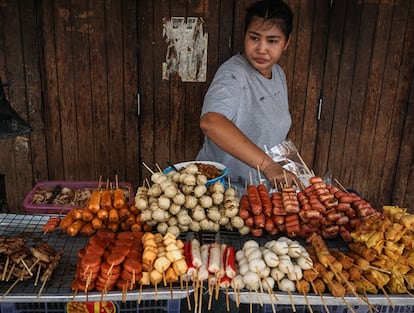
287 43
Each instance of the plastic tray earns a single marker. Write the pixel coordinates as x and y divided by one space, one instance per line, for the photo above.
44 208
147 306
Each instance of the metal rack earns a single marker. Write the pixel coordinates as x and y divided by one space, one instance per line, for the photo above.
234 239
58 287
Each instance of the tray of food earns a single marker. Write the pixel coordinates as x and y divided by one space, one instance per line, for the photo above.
23 242
57 197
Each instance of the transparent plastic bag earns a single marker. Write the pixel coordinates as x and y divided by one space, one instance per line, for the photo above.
286 155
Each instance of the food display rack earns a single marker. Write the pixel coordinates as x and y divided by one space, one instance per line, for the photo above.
402 302
58 287
57 291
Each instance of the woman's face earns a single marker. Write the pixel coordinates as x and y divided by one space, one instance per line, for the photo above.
264 43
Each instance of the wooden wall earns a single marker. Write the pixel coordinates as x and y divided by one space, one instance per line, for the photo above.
75 68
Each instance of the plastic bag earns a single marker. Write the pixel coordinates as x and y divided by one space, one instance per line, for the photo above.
286 155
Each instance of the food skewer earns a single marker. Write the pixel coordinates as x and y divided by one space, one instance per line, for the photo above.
6 265
11 272
187 293
304 164
10 288
148 168
320 295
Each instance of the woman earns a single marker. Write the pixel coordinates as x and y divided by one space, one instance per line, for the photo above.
246 105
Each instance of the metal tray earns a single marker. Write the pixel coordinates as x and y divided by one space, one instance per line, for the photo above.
234 239
58 288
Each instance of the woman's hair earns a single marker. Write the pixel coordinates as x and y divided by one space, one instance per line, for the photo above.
275 11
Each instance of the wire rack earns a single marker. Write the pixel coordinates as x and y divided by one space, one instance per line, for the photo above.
58 287
245 296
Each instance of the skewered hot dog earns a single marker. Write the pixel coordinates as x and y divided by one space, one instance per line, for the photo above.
265 200
254 200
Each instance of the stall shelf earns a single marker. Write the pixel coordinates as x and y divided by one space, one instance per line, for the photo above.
58 287
393 303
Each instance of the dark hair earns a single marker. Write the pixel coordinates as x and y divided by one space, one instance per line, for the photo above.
275 11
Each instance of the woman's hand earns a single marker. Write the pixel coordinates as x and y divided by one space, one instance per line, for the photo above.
276 174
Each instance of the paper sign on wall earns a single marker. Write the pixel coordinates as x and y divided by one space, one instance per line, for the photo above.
187 49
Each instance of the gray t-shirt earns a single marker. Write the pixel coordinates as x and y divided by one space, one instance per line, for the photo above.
256 105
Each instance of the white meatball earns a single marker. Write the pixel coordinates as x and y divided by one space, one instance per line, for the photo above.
257 265
304 263
280 247
268 283
250 244
296 273
240 255
276 274
251 280
287 285
271 258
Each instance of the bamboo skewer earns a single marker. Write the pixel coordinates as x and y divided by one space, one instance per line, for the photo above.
291 301
6 265
187 294
200 302
304 164
320 295
250 297
10 288
348 305
148 168
388 297
140 293
227 299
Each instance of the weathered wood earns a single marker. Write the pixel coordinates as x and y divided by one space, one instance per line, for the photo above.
364 39
301 39
130 37
403 187
82 84
18 159
326 136
100 143
376 75
317 59
147 88
52 117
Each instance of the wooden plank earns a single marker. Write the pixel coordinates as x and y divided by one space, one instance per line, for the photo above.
173 115
82 89
7 157
52 117
287 60
317 56
129 30
239 24
19 154
376 75
64 29
338 151
218 40
163 103
329 90
402 125
225 32
99 142
364 39
387 141
34 105
113 16
146 82
299 45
